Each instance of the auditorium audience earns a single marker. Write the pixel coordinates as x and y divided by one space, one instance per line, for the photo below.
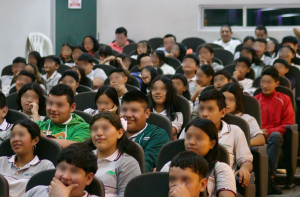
288 54
273 48
5 127
257 64
205 55
23 78
78 50
226 41
221 77
83 80
33 69
121 40
51 64
180 84
118 79
247 42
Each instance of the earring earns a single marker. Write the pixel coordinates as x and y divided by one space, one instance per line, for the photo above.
34 147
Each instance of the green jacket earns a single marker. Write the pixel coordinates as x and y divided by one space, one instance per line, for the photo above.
152 139
76 130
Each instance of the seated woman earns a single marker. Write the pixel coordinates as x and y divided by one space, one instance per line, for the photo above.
33 69
247 42
283 67
234 99
178 51
30 100
19 168
205 55
35 58
273 48
202 139
158 59
142 46
106 54
106 99
257 64
148 73
78 50
117 155
164 102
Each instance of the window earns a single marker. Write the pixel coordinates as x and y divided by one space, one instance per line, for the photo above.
218 17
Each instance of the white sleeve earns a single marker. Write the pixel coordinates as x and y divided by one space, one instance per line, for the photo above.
182 135
224 178
254 127
166 167
100 74
177 123
241 149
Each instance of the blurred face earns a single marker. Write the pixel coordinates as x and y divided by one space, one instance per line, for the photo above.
32 60
246 53
58 108
104 103
17 67
210 110
88 44
286 54
50 66
159 92
30 96
127 62
66 52
136 114
145 61
179 86
29 69
117 79
202 79
193 182
75 54
71 82
21 142
79 75
88 67
3 113
22 80
293 46
141 48
189 65
175 51
220 81
282 70
261 34
155 59
248 43
230 102
271 46
260 48
226 34
121 39
243 69
146 76
205 54
168 43
69 174
268 84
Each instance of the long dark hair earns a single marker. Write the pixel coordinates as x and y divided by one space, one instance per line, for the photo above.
96 44
171 104
149 50
255 58
110 92
236 90
276 46
153 73
82 73
186 94
71 47
40 62
182 53
211 130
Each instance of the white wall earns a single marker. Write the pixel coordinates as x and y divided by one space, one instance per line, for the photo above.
17 19
145 19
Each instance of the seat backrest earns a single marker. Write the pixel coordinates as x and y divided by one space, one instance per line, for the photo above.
252 108
43 148
224 55
175 63
283 81
7 70
45 177
239 47
85 116
87 82
214 59
155 42
179 70
185 110
159 70
81 89
161 122
295 72
85 100
134 69
231 69
106 68
128 48
62 68
223 155
131 87
4 188
14 116
192 42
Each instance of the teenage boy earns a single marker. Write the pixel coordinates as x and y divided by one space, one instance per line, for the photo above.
226 41
187 175
118 79
19 63
283 67
51 64
76 167
135 111
63 126
71 79
143 60
220 78
261 32
23 78
168 41
5 127
242 67
190 65
260 47
86 61
276 112
292 42
121 40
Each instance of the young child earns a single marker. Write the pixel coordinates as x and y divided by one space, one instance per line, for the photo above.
20 167
90 44
221 77
164 102
23 78
66 53
260 47
76 167
118 79
117 155
178 51
158 59
283 68
86 61
190 65
30 100
205 55
5 127
147 75
142 46
51 64
106 54
71 79
242 67
181 85
106 99
288 54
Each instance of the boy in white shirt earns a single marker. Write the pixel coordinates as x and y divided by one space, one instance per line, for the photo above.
51 64
260 46
190 64
5 127
226 41
242 67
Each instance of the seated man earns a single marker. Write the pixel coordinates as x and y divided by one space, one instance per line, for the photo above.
261 32
187 175
71 79
86 61
5 127
276 113
168 41
23 78
226 41
51 64
260 47
76 167
143 60
135 111
242 67
19 63
63 126
121 40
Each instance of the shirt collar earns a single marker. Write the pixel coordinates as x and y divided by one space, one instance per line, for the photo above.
262 58
91 73
115 156
4 125
69 120
136 134
52 76
34 161
192 79
225 129
161 113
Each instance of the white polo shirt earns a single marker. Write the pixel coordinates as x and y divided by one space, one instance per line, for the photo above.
253 125
17 178
97 73
167 69
176 123
229 46
5 129
192 86
6 81
52 81
267 60
246 83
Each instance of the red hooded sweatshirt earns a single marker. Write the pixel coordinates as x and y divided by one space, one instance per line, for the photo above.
276 111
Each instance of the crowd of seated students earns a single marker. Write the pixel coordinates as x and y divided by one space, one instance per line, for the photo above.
119 116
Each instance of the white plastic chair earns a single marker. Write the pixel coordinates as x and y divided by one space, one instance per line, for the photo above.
40 43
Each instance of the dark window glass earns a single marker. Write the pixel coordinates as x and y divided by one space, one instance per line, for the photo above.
273 16
218 17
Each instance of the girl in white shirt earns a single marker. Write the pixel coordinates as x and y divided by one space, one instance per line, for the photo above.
148 73
164 102
142 46
158 59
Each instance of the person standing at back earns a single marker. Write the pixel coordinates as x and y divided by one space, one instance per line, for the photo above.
168 42
121 40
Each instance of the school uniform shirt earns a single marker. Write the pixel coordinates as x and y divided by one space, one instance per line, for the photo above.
91 111
134 57
41 118
267 60
246 83
216 66
43 191
167 69
5 129
192 86
6 81
52 81
115 47
98 72
176 123
163 49
17 178
253 125
237 55
221 178
229 46
116 171
257 69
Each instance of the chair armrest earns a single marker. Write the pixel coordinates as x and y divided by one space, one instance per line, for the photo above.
261 149
292 127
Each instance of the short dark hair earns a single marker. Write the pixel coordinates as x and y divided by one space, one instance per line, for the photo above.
86 57
272 72
289 39
161 55
188 159
135 96
249 38
237 91
110 92
246 60
192 56
63 90
289 47
261 40
186 94
118 70
71 73
207 69
282 61
149 49
169 35
80 155
25 73
33 129
206 46
19 60
105 51
2 100
80 47
223 72
213 94
261 27
53 58
121 30
140 56
226 25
